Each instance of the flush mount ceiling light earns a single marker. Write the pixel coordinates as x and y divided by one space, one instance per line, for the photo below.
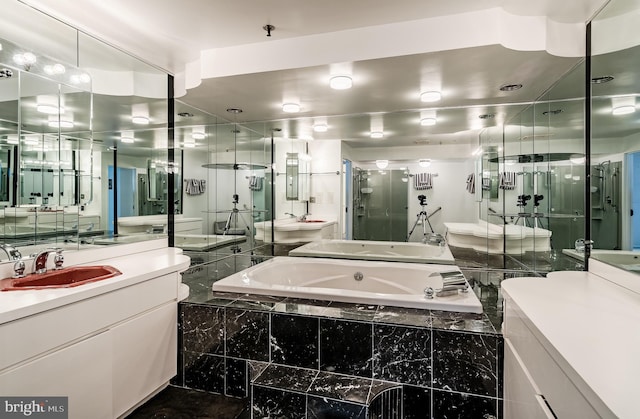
198 135
376 134
510 87
426 122
127 140
623 110
320 127
60 124
80 78
48 108
382 164
577 158
601 79
431 96
185 114
140 120
553 112
25 59
234 110
188 144
424 162
486 116
340 82
54 69
290 108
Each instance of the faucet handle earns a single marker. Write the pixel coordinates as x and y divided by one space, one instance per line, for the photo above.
18 269
58 259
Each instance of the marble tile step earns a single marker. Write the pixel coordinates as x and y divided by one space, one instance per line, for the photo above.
308 393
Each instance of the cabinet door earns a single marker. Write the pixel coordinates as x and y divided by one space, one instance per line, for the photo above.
81 372
144 356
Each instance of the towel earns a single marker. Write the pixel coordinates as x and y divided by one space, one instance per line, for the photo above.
486 184
255 183
471 183
423 181
195 186
507 180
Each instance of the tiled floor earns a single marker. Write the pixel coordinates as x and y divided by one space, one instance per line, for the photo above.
181 403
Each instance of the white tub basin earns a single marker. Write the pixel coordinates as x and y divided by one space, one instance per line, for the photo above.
382 283
492 238
376 250
289 230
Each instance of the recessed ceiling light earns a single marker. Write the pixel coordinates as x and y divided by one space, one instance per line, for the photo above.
290 108
623 110
128 140
553 112
382 164
320 127
340 82
198 135
431 96
48 109
425 122
487 116
140 120
376 134
424 162
60 124
601 79
510 87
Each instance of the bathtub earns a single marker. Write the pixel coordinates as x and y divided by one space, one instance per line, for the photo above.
290 230
205 242
376 250
625 259
491 238
383 283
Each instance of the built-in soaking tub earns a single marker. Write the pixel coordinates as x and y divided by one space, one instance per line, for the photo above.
491 238
356 281
376 250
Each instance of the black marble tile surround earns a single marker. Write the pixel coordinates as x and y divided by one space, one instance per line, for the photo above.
445 364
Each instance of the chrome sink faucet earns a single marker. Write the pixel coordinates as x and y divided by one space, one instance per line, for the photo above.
40 260
12 252
291 215
304 217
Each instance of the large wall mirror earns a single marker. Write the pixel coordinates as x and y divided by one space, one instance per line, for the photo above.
615 143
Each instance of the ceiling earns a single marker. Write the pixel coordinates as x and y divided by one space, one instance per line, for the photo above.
385 94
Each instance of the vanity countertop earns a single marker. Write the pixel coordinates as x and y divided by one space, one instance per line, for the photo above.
136 266
590 328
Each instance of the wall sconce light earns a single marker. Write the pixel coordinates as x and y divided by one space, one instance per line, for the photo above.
382 164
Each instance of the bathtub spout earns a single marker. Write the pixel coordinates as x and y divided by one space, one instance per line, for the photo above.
452 282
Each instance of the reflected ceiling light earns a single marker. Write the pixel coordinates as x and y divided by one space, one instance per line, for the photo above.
140 120
54 69
60 124
290 108
376 134
426 122
623 110
577 159
198 135
510 87
48 108
188 145
13 139
320 127
127 140
431 96
80 78
601 79
25 59
340 82
382 164
424 162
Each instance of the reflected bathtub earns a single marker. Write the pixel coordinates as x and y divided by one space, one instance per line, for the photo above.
381 283
205 242
376 250
510 239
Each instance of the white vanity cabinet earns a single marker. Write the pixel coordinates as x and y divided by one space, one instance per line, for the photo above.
106 353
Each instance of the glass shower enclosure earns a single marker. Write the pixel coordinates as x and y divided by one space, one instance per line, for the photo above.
380 204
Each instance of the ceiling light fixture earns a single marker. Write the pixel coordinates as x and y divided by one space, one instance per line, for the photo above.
290 108
320 127
623 110
486 116
80 78
185 114
376 134
60 124
54 69
426 122
424 162
198 135
26 59
340 82
234 110
188 144
553 112
127 140
382 164
510 87
48 109
140 120
431 96
601 79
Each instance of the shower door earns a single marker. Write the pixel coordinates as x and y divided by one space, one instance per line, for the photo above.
380 205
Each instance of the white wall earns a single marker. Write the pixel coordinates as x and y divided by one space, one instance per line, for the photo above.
326 180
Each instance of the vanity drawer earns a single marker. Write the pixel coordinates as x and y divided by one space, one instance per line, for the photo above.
34 335
551 382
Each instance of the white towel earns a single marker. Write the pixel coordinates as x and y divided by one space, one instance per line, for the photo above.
471 183
507 180
423 181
